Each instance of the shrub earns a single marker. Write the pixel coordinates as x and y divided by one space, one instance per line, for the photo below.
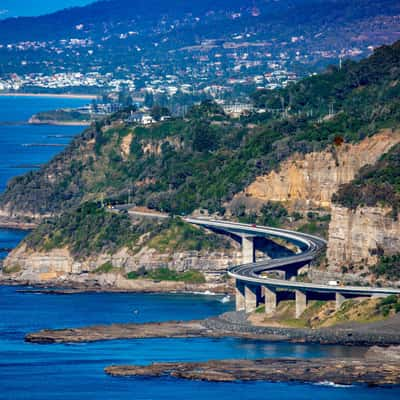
165 274
104 268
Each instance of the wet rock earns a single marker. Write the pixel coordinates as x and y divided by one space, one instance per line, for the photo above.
343 372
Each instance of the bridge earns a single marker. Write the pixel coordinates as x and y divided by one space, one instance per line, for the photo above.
253 289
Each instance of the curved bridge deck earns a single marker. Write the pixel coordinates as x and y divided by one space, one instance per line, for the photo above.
252 288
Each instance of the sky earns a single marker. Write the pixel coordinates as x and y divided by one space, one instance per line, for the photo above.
13 8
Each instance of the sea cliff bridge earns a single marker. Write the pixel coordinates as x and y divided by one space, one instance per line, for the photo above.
253 289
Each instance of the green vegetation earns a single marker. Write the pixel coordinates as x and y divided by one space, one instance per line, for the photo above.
388 267
321 314
389 305
260 309
91 229
11 270
105 268
316 225
62 116
165 274
203 160
180 236
87 230
272 213
378 184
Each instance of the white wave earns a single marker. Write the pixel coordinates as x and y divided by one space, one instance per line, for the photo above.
226 299
332 384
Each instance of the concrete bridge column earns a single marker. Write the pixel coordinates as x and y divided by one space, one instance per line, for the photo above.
270 300
240 296
252 295
248 252
301 302
339 300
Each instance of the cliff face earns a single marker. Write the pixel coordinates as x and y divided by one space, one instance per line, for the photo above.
356 237
311 179
59 263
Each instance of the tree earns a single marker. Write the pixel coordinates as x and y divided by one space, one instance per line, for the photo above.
204 137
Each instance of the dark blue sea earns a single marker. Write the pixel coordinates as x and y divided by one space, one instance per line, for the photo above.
75 372
19 150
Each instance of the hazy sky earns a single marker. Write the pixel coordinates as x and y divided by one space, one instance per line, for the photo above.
12 8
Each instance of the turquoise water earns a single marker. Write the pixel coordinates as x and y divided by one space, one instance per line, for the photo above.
17 155
31 371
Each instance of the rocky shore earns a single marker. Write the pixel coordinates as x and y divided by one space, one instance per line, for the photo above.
35 121
231 324
112 283
15 223
344 372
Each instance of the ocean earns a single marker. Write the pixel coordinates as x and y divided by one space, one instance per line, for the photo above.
23 147
74 372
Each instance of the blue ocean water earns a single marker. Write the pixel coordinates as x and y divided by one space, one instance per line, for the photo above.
31 371
17 155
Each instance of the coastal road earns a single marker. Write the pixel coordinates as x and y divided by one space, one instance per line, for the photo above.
311 246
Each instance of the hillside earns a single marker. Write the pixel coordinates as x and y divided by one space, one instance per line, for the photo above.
203 160
177 37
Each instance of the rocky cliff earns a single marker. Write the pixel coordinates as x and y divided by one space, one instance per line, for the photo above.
357 240
357 237
310 180
24 264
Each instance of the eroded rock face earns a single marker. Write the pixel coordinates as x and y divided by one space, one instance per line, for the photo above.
45 266
357 236
311 179
126 146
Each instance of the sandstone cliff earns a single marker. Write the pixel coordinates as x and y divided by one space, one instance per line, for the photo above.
24 264
356 238
306 180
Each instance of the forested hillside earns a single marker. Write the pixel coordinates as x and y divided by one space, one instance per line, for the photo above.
201 161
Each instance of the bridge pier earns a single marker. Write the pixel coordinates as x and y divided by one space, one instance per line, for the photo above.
340 298
252 294
248 251
270 299
240 296
301 302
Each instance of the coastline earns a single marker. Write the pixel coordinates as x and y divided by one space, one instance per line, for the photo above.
20 226
337 371
52 95
58 123
113 283
230 324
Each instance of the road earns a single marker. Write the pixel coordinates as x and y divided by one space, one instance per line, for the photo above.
311 248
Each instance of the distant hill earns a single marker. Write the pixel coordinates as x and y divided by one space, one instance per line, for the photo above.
119 34
117 14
